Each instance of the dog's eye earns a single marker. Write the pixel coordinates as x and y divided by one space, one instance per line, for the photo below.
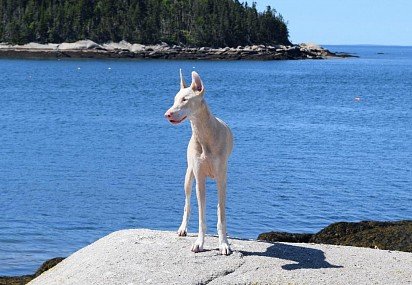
184 99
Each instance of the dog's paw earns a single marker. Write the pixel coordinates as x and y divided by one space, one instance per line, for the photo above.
197 246
182 232
224 248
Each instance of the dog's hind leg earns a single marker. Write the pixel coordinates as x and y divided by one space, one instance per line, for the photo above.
221 213
201 201
188 191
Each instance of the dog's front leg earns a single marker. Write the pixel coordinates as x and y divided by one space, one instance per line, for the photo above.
188 191
221 214
201 201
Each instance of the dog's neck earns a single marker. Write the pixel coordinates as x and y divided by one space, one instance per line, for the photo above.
203 125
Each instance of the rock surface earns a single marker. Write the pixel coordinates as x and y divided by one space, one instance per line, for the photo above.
381 235
123 49
155 257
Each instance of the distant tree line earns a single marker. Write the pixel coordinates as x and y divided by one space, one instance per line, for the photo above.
214 23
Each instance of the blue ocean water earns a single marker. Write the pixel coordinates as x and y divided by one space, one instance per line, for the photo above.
85 149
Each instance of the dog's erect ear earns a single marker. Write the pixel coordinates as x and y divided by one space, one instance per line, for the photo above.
182 80
197 84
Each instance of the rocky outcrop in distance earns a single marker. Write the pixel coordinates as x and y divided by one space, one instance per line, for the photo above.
123 49
372 234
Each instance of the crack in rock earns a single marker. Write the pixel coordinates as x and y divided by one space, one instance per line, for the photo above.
222 274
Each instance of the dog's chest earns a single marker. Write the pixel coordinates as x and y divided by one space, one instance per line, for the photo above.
205 164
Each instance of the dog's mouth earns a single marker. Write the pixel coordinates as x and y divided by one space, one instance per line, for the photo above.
175 122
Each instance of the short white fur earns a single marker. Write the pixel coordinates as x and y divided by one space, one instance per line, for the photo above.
207 156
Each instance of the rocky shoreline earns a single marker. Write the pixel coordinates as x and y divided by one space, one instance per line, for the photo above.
378 235
123 49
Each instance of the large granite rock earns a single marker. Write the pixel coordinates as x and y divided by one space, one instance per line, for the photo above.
155 257
80 45
377 235
381 235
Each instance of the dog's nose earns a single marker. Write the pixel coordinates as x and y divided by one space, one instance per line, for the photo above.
168 115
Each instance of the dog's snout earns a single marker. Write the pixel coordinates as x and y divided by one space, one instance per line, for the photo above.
168 114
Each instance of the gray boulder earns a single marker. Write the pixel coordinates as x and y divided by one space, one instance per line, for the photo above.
155 257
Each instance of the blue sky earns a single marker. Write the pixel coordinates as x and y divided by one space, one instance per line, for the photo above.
384 22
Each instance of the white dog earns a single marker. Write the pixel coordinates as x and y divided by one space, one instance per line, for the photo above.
207 155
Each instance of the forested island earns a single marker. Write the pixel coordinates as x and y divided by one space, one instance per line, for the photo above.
212 23
168 29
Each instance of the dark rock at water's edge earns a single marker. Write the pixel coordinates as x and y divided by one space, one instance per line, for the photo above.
90 49
20 280
380 235
285 237
48 264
